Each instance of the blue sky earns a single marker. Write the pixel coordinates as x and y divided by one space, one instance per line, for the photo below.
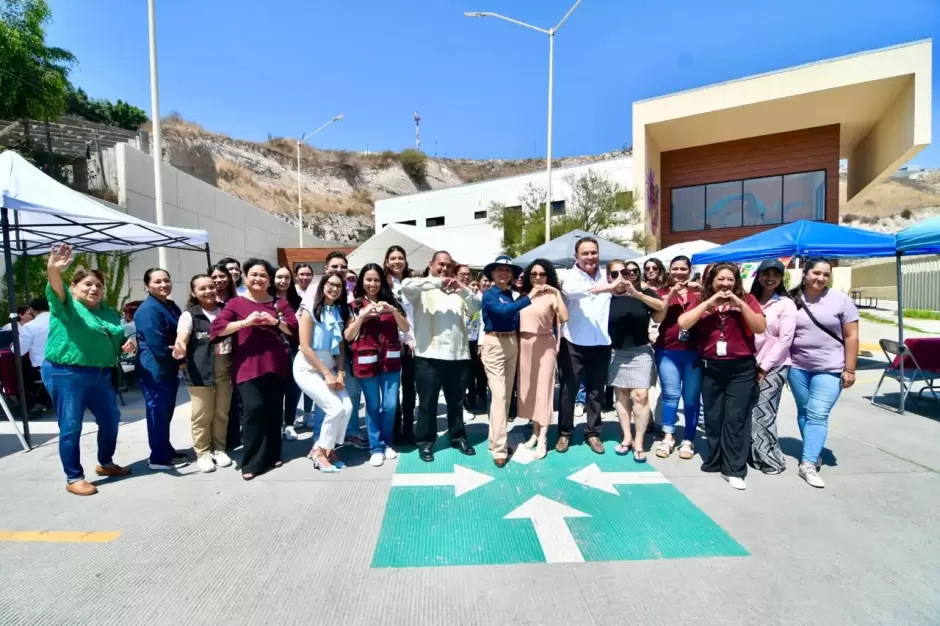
249 68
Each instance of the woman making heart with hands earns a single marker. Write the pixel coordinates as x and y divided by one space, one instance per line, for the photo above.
374 337
725 321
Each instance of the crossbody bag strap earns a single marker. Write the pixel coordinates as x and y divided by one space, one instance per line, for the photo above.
801 304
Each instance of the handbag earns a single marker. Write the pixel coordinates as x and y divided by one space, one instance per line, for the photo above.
800 304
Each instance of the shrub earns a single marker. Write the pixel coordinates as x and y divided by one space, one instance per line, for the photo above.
415 164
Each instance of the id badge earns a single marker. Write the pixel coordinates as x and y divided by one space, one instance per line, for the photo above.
721 348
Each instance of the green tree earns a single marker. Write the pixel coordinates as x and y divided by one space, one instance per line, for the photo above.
415 164
596 204
120 113
33 76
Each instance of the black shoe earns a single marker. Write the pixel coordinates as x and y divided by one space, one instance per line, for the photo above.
424 453
463 447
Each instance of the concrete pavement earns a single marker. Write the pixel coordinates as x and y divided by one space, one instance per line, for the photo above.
296 546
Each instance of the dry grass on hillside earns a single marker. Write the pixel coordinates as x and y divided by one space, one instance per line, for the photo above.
888 198
240 182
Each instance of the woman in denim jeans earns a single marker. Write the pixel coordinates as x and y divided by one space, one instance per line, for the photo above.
677 362
83 346
375 353
823 355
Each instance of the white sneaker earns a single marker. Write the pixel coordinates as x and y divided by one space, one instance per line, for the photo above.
299 421
377 459
290 434
221 458
390 453
736 482
579 410
809 474
205 464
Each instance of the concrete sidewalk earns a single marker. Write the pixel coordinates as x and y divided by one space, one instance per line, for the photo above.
295 546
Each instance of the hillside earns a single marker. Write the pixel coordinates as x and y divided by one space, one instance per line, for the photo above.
340 187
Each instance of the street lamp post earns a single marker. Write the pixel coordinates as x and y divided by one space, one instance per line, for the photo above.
300 215
157 135
551 73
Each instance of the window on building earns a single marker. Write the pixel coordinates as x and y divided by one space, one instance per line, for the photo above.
768 200
479 215
434 221
763 201
558 207
409 223
804 196
688 208
723 205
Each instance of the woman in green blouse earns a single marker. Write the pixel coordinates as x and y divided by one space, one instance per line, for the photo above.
85 338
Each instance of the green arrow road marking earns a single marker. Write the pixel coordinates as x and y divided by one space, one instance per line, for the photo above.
462 510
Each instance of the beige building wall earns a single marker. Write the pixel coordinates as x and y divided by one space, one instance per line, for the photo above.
236 228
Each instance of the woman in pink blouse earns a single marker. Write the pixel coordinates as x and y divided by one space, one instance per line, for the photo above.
773 364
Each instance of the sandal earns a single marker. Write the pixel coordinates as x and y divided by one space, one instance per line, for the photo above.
278 464
665 448
686 451
322 463
623 449
248 477
639 456
531 443
335 460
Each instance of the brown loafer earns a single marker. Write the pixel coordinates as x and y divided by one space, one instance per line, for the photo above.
500 463
81 488
597 446
112 470
562 444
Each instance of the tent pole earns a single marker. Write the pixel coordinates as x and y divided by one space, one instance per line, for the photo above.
14 322
900 282
25 279
208 258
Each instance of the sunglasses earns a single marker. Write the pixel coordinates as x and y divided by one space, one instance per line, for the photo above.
624 273
538 274
652 268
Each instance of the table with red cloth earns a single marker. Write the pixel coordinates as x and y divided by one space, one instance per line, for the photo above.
8 373
926 351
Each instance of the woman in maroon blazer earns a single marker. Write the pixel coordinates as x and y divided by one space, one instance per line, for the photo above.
259 326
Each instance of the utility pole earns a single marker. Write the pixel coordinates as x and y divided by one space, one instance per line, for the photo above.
417 132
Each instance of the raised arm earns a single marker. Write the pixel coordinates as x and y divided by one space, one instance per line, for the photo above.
411 288
227 323
492 302
184 327
60 257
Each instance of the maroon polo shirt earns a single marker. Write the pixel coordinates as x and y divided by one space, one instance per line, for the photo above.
727 323
669 330
257 350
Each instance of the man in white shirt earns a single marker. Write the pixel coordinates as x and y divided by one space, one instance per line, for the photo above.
441 306
585 344
33 338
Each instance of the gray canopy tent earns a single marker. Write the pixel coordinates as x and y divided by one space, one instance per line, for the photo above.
45 212
560 250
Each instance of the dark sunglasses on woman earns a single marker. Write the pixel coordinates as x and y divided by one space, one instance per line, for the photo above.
625 273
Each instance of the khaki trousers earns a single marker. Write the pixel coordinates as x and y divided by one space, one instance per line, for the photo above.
500 356
210 408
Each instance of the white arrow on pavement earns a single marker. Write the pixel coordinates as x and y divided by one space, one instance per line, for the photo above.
548 519
461 479
592 476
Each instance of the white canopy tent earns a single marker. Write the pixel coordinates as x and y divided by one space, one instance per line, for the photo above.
47 212
421 243
686 248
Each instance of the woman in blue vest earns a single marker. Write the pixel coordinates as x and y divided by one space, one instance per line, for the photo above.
375 347
157 371
208 373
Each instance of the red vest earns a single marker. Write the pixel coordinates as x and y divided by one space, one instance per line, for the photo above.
377 349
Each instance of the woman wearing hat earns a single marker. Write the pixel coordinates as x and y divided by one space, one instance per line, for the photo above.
773 364
500 346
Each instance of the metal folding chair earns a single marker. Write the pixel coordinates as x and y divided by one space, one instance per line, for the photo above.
905 378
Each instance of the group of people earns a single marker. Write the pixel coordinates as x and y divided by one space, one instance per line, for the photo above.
252 340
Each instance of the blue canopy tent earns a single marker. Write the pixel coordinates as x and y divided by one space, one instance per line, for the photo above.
803 238
560 250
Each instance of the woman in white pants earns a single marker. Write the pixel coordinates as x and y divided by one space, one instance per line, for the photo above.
319 367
